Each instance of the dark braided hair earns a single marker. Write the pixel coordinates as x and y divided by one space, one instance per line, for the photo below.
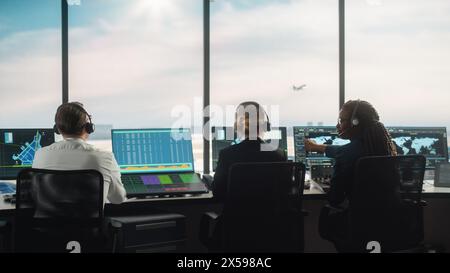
375 138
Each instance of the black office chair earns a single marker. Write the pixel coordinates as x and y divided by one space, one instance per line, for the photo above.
386 205
262 210
59 211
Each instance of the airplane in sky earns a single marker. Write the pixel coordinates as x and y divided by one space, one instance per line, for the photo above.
299 88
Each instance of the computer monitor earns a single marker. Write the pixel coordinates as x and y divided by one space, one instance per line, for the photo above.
428 141
18 147
321 135
153 150
223 137
156 162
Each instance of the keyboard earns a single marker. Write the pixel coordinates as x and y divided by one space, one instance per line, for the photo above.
163 184
324 187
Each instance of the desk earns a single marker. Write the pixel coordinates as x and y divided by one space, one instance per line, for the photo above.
310 194
430 190
194 199
437 222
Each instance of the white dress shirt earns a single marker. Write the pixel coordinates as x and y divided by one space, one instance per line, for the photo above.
76 154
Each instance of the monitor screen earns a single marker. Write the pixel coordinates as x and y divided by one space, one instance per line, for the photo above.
223 137
18 146
321 135
153 150
428 141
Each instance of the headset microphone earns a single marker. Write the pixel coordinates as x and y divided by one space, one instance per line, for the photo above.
343 132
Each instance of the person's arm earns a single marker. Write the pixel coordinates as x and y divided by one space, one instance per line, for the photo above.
116 191
328 150
37 159
219 184
312 146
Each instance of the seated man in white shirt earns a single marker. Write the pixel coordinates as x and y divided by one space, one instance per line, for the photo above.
73 153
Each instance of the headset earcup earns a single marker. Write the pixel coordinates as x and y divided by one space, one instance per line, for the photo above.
90 128
353 119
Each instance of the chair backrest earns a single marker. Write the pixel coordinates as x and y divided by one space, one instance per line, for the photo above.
62 204
385 205
262 210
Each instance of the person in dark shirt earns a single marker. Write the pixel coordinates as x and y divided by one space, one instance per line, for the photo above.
251 122
360 123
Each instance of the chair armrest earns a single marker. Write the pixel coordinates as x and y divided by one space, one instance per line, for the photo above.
208 180
334 209
115 225
210 215
207 225
113 234
421 203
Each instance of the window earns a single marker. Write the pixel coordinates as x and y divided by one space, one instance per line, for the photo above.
30 62
133 62
398 59
283 54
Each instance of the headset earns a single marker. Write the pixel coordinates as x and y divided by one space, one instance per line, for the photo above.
266 123
89 126
354 120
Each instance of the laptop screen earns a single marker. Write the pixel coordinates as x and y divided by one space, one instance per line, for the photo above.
153 150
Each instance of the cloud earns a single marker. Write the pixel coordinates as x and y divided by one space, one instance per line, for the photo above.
397 58
272 48
131 70
30 78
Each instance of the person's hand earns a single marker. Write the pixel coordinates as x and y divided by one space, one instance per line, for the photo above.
309 145
312 146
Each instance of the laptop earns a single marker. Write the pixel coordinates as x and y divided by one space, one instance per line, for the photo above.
156 162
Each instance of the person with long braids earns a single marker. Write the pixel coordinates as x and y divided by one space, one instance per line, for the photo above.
360 123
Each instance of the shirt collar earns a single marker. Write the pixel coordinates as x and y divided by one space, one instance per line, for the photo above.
77 139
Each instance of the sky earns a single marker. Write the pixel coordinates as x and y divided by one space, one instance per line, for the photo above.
138 63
